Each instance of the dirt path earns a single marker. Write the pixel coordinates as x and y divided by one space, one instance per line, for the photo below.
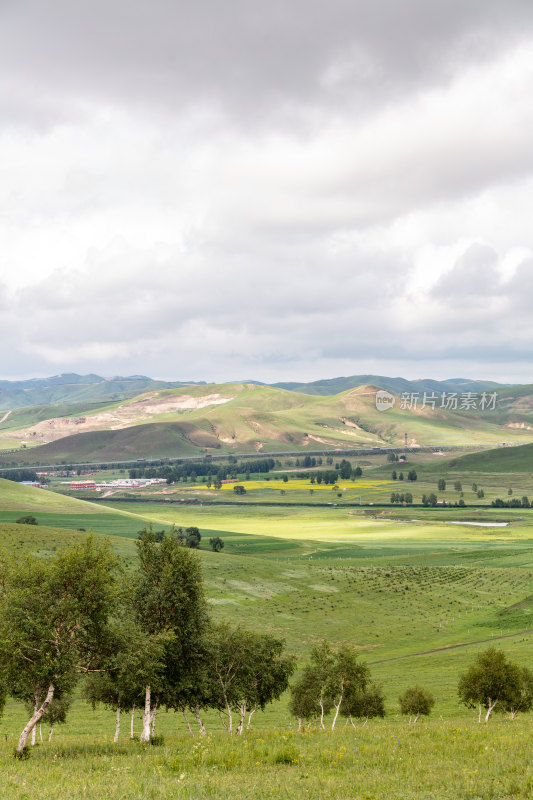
6 415
451 647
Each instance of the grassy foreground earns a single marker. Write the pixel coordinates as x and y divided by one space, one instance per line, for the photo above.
434 760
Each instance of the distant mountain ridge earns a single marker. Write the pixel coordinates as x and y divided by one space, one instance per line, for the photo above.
333 386
71 389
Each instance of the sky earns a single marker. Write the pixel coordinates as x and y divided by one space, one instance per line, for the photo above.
290 190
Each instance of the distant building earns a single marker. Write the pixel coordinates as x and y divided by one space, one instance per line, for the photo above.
83 485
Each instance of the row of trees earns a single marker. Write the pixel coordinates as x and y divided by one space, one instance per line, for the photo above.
411 475
144 639
141 640
335 681
397 497
174 473
515 502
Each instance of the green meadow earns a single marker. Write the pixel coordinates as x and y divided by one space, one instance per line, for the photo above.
416 593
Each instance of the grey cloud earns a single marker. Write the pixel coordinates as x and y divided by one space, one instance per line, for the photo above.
242 55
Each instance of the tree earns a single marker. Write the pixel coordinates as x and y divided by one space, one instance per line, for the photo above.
394 475
416 701
119 685
248 670
216 544
239 489
56 713
311 695
193 537
364 703
27 519
408 498
347 678
489 682
458 486
171 612
54 621
441 485
411 475
480 494
358 472
520 694
400 476
345 469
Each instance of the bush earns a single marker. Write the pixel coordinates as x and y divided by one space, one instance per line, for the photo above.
27 519
416 701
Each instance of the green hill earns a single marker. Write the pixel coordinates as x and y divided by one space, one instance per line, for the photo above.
71 389
501 459
252 418
395 385
28 498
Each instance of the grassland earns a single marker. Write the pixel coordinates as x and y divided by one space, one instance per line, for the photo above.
418 595
249 418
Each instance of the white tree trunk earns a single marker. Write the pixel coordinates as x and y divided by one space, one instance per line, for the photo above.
50 732
490 709
242 712
152 718
34 731
479 714
117 727
132 718
321 711
40 732
187 721
252 712
337 709
35 719
299 723
199 720
351 720
145 735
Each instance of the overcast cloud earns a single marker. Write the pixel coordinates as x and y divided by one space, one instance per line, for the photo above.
280 191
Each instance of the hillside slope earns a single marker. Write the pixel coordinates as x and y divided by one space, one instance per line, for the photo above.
332 386
16 496
248 417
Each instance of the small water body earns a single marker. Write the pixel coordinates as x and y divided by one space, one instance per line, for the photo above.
480 524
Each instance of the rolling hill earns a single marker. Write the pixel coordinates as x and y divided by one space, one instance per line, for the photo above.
499 460
71 389
254 418
394 385
15 496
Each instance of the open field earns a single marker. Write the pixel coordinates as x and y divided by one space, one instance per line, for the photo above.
436 761
417 594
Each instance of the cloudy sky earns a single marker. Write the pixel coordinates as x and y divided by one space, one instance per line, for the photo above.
288 190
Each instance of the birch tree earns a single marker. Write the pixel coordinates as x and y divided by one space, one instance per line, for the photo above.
53 621
363 703
520 695
171 612
347 677
490 683
248 670
312 694
416 701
